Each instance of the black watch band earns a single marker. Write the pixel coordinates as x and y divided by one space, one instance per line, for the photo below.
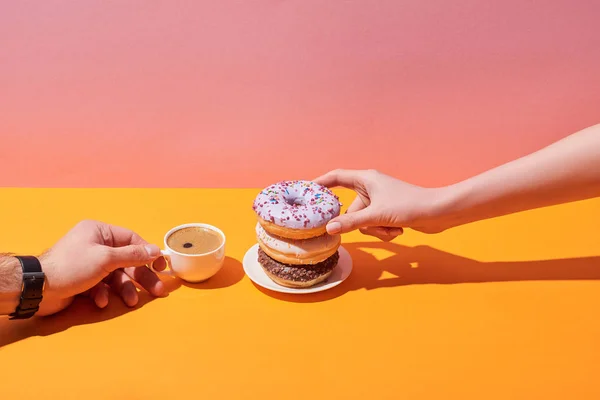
32 289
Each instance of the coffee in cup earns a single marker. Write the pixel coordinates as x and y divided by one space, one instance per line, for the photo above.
194 240
194 252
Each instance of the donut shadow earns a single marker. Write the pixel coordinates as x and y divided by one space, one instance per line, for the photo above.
316 297
425 265
230 274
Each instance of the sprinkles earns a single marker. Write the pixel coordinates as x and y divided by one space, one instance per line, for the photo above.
297 204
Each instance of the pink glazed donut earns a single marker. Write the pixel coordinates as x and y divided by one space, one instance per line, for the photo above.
296 209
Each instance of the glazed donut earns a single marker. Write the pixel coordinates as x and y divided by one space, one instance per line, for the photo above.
297 251
297 276
296 209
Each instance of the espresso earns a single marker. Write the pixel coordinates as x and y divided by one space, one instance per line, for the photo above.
194 240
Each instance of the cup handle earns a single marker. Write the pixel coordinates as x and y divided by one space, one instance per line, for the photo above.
167 271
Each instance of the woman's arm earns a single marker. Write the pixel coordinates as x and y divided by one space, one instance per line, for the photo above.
565 171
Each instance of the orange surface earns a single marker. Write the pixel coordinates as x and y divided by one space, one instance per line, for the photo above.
204 93
506 308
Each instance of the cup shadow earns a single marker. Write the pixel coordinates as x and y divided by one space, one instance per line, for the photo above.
230 274
423 265
83 311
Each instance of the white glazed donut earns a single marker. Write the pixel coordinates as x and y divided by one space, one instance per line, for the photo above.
296 209
297 251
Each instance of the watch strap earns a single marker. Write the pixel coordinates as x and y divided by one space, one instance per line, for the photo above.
32 288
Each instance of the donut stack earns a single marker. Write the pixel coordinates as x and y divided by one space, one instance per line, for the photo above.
295 249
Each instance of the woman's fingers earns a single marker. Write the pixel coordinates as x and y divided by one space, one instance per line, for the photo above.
382 233
357 204
348 222
340 177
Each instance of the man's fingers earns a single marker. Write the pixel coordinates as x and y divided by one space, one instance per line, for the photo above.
160 264
339 177
147 279
99 294
124 287
127 256
117 236
349 222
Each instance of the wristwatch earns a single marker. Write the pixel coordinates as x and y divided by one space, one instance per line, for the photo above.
32 288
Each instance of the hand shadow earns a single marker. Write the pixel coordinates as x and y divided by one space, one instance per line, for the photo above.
427 265
83 311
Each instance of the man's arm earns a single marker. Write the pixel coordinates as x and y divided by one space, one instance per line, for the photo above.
80 262
11 279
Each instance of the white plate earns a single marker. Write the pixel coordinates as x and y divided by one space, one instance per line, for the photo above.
256 273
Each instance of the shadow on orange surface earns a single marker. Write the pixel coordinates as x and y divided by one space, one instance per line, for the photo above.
422 265
83 311
231 273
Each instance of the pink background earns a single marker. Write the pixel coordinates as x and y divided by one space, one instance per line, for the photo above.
242 93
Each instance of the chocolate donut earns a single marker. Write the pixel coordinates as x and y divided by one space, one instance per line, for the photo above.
297 276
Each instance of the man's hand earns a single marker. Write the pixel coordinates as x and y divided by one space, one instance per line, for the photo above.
95 257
